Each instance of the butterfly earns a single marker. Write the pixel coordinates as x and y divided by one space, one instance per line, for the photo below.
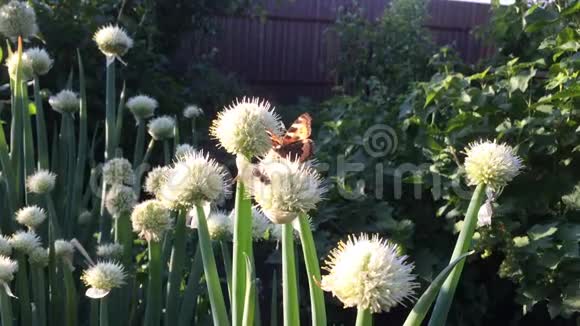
296 143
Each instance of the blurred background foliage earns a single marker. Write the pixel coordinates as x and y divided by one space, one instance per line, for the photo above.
390 73
528 270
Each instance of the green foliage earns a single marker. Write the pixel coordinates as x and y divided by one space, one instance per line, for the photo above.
527 96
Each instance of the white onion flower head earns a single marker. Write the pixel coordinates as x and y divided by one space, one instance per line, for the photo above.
142 106
113 41
24 242
41 182
66 101
38 257
7 269
261 225
491 163
194 178
120 199
367 273
5 247
192 111
292 188
162 128
85 217
103 277
155 180
110 250
17 18
242 127
219 225
118 171
183 150
65 250
151 219
26 70
31 216
41 60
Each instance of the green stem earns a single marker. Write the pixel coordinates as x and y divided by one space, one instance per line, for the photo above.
120 115
148 152
364 317
175 270
139 143
289 285
22 291
104 311
274 300
313 272
192 289
227 258
216 298
124 236
41 135
445 298
242 246
71 294
6 308
153 310
249 304
39 292
110 116
193 138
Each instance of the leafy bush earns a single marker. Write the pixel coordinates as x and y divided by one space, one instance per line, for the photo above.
526 96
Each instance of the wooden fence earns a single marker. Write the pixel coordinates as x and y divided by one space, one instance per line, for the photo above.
288 53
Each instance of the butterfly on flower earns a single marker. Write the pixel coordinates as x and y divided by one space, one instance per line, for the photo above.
296 143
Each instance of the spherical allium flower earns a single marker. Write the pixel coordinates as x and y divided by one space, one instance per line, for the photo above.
113 41
85 217
65 250
151 219
192 111
120 199
162 128
38 257
142 106
491 164
66 101
24 242
41 61
367 273
31 216
286 189
17 18
26 70
118 171
102 278
155 179
242 127
194 178
183 150
110 250
5 247
41 182
7 269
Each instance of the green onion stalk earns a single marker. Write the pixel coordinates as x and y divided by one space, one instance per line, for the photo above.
23 291
364 317
5 308
242 246
175 269
445 298
139 143
192 290
313 272
71 293
289 283
216 298
153 309
39 292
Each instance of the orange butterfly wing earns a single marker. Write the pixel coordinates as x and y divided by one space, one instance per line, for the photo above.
300 129
295 143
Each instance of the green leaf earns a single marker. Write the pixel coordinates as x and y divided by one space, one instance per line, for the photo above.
538 232
31 108
520 81
424 303
572 9
537 18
